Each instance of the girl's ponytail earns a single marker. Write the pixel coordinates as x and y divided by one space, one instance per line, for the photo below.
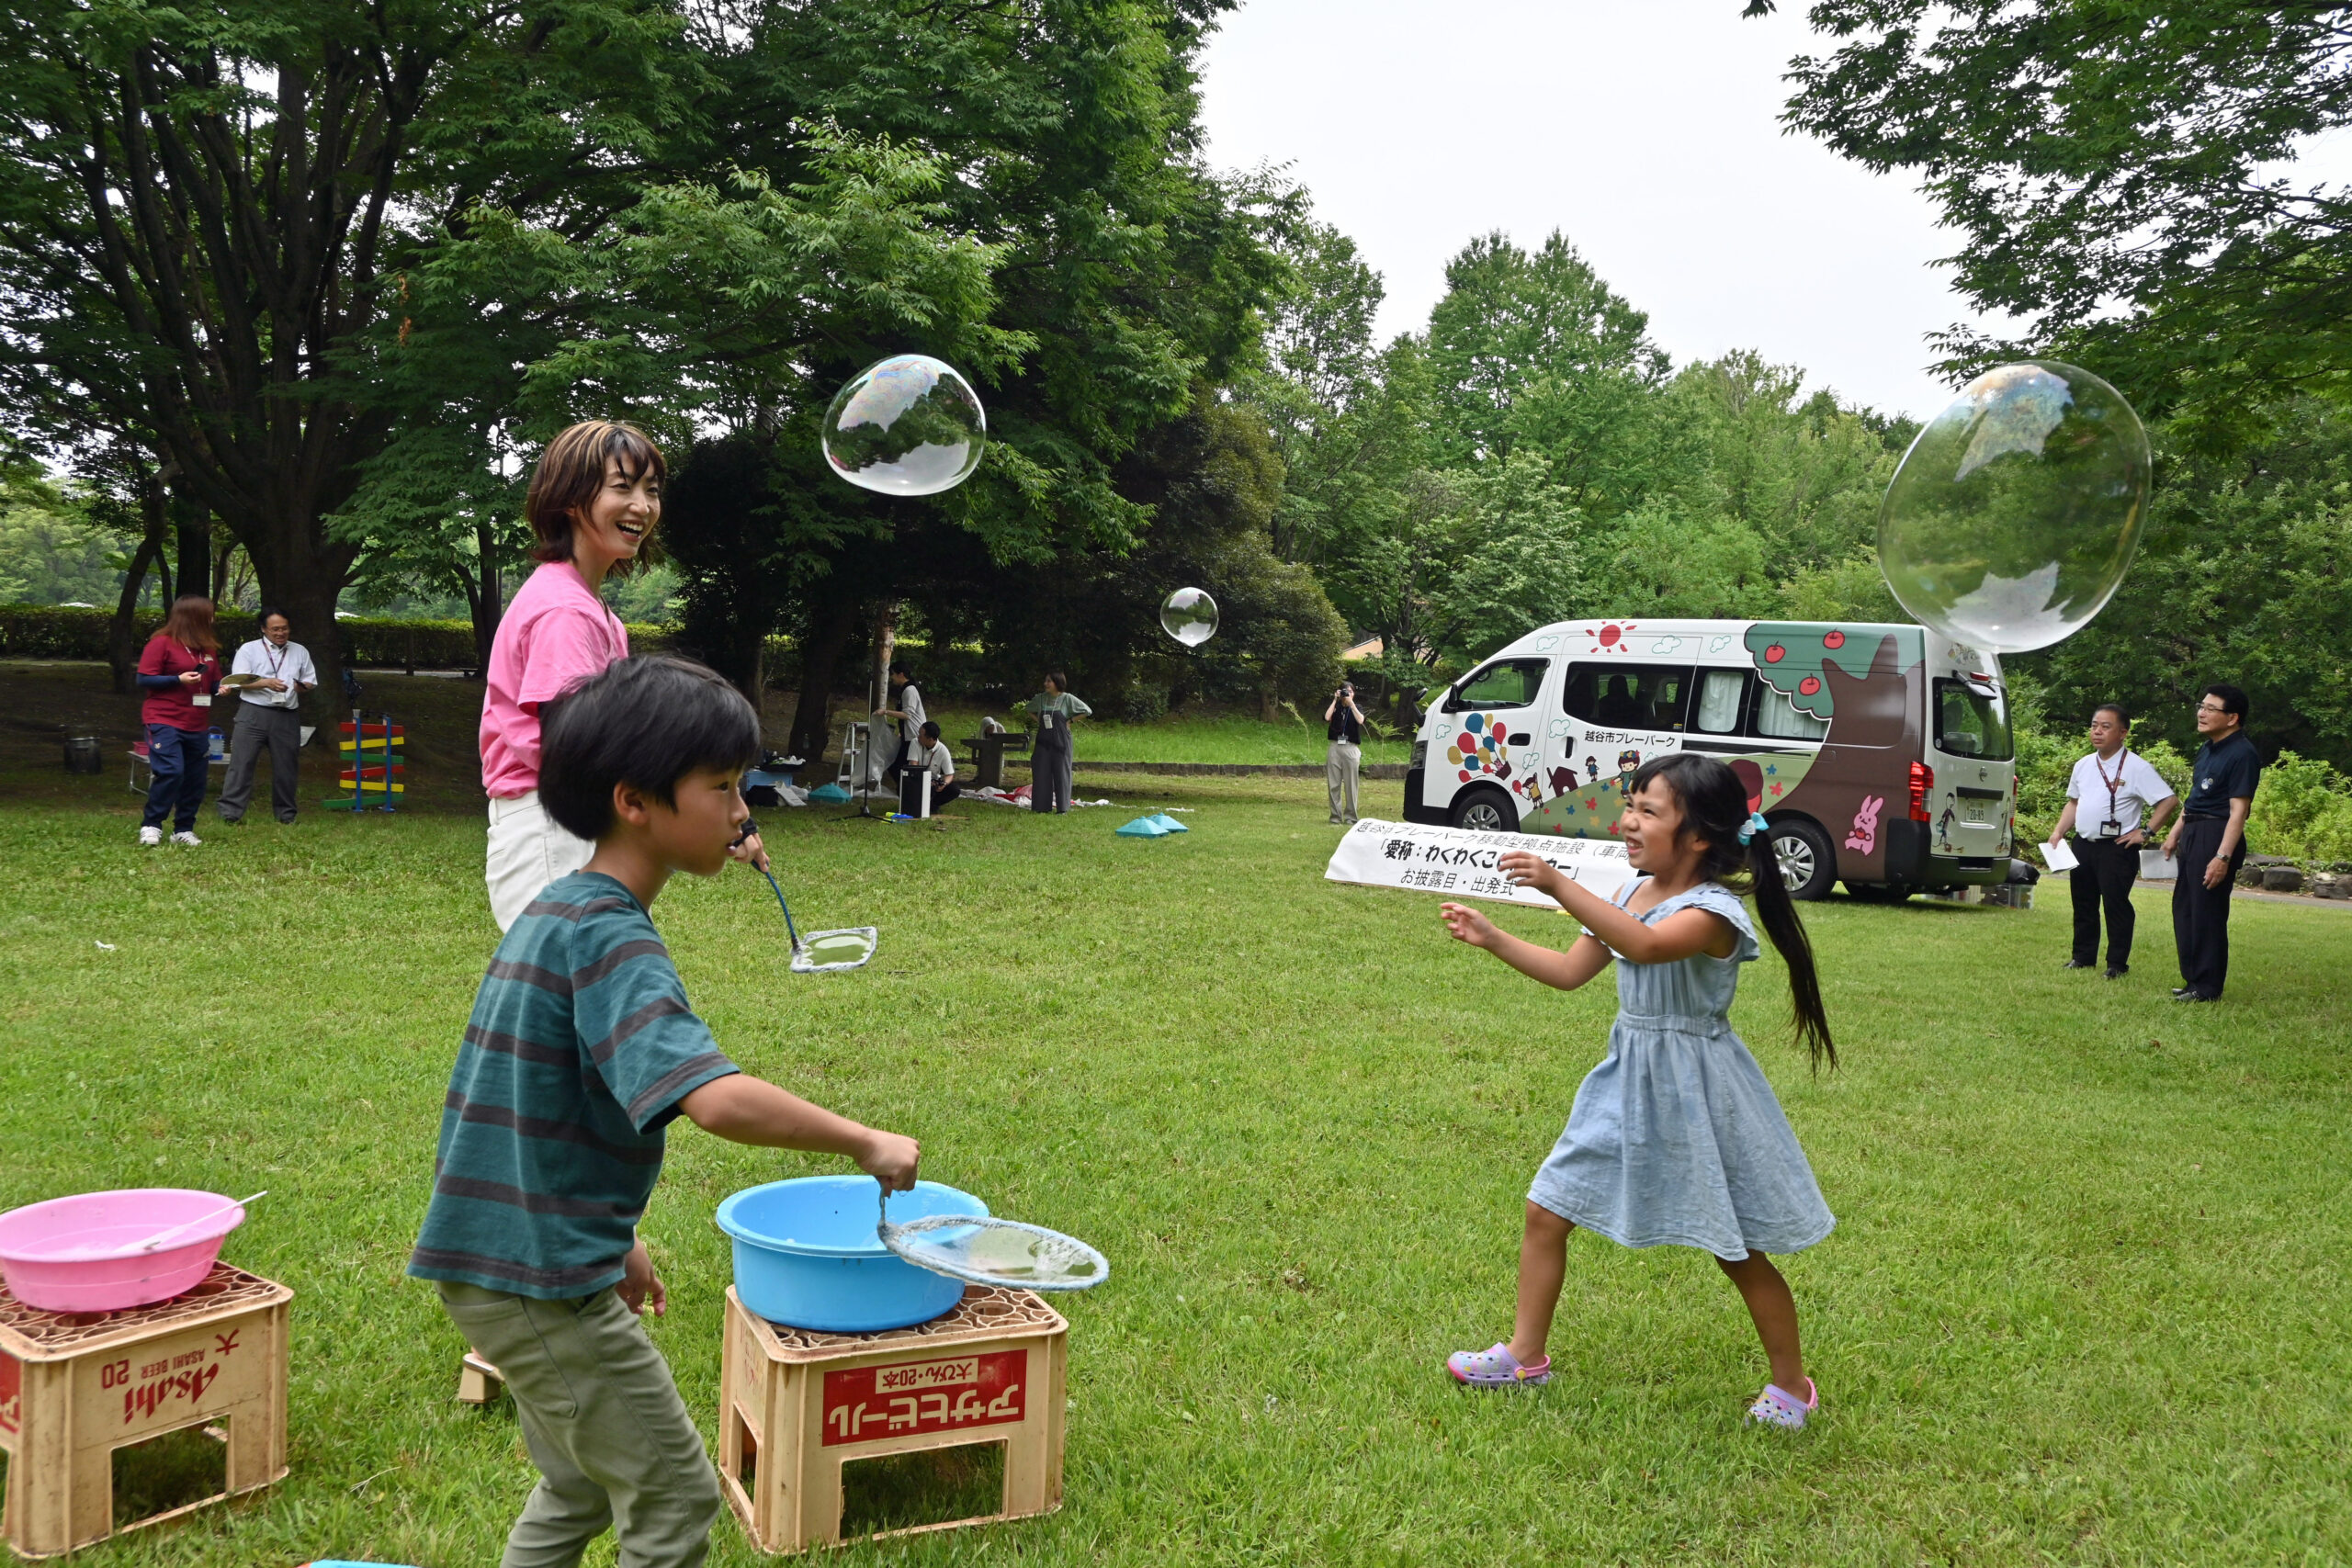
1715 808
1778 912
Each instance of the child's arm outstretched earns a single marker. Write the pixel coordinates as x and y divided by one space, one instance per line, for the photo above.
745 1109
1584 959
1677 936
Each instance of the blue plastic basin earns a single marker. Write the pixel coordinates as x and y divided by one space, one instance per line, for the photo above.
806 1254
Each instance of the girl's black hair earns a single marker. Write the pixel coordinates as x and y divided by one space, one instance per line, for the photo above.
1714 808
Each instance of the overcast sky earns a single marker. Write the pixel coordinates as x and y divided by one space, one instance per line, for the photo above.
1646 129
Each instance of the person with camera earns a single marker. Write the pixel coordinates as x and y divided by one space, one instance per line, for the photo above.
1343 723
2107 796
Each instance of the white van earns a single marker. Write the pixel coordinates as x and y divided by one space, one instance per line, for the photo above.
1881 755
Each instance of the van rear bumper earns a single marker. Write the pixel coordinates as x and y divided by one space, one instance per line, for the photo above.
1910 857
1414 810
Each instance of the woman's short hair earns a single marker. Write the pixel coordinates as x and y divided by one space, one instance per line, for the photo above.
190 623
643 722
570 472
1056 678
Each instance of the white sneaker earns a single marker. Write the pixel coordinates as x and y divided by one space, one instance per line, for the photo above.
151 836
184 837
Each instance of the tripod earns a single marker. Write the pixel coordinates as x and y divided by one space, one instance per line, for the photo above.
857 760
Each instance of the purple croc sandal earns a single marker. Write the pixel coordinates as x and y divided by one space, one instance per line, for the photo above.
1497 1368
1776 1407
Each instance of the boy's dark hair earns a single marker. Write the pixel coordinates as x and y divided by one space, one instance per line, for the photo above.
902 669
645 722
2116 709
2233 700
1714 808
570 472
930 730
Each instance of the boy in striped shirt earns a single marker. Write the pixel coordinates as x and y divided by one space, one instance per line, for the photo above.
580 1053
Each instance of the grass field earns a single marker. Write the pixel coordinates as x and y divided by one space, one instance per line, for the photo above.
2085 1303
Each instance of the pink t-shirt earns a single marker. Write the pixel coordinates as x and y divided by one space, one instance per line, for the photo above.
554 632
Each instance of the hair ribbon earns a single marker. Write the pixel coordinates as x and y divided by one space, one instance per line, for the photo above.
1753 826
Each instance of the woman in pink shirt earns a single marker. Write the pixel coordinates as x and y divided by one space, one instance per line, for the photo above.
595 498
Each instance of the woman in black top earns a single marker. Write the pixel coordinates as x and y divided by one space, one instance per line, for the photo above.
1343 723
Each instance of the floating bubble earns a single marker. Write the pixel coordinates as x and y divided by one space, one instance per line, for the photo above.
906 425
2015 515
1189 615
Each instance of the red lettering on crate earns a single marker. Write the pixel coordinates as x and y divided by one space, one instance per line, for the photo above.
12 1392
224 1343
910 1397
157 1392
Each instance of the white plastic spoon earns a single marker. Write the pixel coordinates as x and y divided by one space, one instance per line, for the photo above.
152 1243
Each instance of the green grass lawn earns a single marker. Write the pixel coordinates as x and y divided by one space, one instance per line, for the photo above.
2085 1304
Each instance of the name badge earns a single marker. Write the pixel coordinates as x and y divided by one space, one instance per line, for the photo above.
202 699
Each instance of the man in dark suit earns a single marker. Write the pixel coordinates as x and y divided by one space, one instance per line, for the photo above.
2209 843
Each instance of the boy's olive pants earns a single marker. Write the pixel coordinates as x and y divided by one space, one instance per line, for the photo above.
604 1422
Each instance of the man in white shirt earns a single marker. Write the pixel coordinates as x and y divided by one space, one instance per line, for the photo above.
2106 798
277 671
910 715
941 763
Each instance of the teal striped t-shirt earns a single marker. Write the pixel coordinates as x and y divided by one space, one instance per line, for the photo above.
579 1048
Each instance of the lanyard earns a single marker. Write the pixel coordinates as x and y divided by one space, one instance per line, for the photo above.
2114 819
277 657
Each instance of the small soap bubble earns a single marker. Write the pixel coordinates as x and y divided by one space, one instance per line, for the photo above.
906 425
1189 615
2015 515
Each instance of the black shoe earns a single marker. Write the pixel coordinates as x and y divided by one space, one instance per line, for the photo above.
2178 992
286 821
2117 971
232 821
2077 964
2193 997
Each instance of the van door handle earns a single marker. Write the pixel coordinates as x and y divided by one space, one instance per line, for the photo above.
1520 739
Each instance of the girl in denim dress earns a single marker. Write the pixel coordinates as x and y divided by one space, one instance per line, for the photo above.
1675 1138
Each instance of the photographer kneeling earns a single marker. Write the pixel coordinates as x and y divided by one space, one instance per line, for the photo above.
1344 725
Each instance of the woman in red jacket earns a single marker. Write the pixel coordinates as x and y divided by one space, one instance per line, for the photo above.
178 671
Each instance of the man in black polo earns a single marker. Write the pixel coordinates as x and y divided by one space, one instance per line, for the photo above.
2209 843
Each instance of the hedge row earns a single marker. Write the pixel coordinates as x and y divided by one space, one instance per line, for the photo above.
45 631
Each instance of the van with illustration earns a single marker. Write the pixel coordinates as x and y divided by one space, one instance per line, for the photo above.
1879 755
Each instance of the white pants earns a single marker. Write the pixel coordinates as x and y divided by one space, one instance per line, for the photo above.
527 850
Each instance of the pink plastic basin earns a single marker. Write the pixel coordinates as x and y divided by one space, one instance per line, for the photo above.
82 1254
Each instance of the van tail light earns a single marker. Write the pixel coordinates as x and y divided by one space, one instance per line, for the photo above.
1923 779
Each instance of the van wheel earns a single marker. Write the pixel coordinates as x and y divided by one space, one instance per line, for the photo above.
1807 862
1880 892
1486 810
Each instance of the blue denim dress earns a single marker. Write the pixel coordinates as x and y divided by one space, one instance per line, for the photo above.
1675 1138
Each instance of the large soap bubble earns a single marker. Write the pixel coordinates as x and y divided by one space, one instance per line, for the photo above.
2016 513
1189 615
906 425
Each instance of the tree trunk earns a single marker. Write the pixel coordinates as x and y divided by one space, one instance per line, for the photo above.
885 644
220 555
122 631
825 640
485 597
194 574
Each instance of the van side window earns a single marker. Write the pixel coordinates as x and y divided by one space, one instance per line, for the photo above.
1778 717
1506 684
1972 721
1628 696
1720 692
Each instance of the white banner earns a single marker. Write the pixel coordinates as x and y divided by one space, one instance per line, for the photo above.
1462 864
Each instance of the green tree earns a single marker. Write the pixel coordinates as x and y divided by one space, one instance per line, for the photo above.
1535 350
2243 577
2105 153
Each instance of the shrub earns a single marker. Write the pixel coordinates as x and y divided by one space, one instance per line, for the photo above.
2302 808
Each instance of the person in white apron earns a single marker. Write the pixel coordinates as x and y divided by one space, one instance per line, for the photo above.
1050 757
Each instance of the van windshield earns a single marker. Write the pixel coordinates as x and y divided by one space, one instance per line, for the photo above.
1971 722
